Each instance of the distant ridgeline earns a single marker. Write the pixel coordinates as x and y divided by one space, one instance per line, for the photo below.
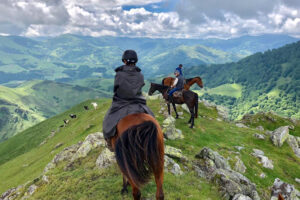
268 81
68 58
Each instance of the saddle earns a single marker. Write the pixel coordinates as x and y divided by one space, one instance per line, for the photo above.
177 94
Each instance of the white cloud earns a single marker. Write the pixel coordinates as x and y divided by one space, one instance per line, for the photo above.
191 19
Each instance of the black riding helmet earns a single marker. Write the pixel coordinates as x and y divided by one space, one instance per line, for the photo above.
130 56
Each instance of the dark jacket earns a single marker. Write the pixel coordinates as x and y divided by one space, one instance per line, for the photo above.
127 98
180 82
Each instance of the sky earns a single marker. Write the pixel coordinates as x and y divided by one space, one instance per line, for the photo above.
150 18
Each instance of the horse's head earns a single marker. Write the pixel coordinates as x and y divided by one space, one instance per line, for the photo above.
152 89
199 82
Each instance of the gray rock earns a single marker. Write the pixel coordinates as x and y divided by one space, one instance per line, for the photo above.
239 148
260 128
264 160
239 166
174 153
280 135
241 197
223 112
268 132
65 155
287 191
105 159
291 127
176 170
262 175
185 108
92 141
259 136
31 189
45 179
216 169
292 141
169 162
297 180
241 125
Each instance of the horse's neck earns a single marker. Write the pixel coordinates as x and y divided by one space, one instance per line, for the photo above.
162 90
191 82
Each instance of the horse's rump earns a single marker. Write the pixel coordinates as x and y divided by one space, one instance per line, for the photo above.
139 152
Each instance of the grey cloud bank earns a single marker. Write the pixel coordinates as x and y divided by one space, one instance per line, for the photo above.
189 19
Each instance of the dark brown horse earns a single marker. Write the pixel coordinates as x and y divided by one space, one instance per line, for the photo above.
188 97
188 82
139 150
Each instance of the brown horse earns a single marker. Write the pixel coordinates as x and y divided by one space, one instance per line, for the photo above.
188 97
139 150
188 82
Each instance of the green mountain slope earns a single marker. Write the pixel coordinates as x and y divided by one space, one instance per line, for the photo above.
269 81
23 158
71 57
35 101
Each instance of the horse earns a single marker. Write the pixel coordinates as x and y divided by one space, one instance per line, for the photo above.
139 151
188 97
168 81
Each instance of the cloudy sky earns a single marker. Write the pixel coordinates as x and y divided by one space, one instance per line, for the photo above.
150 18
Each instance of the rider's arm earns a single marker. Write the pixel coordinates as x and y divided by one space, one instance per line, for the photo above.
117 82
175 82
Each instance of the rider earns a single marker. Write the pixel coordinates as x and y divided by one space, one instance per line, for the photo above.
179 68
177 84
127 97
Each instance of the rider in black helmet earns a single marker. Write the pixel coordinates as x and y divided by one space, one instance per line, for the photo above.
127 97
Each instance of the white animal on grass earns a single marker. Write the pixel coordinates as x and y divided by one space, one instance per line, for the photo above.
95 105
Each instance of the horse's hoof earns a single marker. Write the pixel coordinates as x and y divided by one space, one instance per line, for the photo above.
124 191
191 126
177 117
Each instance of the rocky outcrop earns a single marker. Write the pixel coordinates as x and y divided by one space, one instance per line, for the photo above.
260 128
171 166
264 160
169 129
241 197
239 165
174 153
12 193
280 135
76 151
294 143
214 167
105 159
287 191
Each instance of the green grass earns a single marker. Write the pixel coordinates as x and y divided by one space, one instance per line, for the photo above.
38 100
231 90
87 182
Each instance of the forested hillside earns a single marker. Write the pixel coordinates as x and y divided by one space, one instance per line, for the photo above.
268 81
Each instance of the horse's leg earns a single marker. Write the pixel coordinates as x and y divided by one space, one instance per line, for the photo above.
125 184
174 106
191 108
136 193
169 109
159 185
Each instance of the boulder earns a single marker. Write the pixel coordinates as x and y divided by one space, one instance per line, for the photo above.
12 193
297 180
260 128
65 155
241 197
174 153
92 141
239 166
287 191
293 142
45 179
169 129
264 160
259 136
280 135
239 148
211 165
176 170
241 125
105 159
31 189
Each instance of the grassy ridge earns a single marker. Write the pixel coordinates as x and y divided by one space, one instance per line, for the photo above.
85 181
34 101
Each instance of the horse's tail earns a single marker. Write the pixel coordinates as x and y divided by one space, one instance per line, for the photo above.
139 153
196 105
